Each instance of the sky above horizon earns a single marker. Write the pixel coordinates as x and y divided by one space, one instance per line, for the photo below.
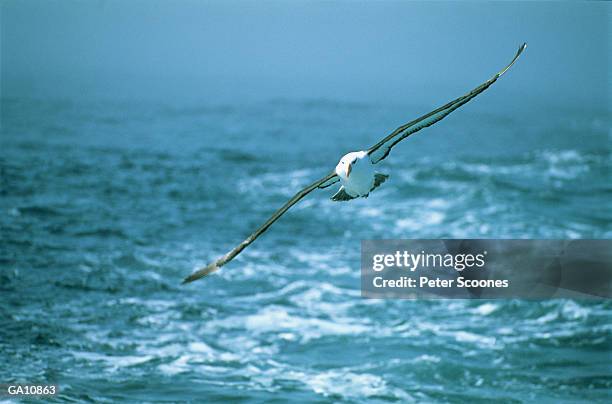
222 52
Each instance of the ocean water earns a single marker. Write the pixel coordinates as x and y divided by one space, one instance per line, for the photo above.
106 206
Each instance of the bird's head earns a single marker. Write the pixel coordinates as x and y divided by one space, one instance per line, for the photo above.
344 167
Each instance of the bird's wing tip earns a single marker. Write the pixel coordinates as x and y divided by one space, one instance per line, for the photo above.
187 280
505 69
201 273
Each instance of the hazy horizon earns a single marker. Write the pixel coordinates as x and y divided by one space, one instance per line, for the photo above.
414 53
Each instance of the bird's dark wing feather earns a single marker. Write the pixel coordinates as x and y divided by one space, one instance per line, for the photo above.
342 195
381 149
329 182
238 249
378 180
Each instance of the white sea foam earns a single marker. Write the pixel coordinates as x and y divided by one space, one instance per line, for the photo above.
565 164
112 362
486 309
190 356
371 212
548 317
177 366
288 183
348 385
275 318
420 220
482 340
573 311
427 358
343 382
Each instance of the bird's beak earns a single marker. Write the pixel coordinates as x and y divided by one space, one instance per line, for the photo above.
348 170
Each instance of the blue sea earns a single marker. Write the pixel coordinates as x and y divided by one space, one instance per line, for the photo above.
107 205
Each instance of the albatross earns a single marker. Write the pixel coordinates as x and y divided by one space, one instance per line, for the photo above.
355 171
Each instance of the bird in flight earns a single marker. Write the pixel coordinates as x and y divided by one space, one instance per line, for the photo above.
355 171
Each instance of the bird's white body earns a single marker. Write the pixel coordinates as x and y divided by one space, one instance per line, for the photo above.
356 173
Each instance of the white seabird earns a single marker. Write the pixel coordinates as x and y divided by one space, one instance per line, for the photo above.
355 171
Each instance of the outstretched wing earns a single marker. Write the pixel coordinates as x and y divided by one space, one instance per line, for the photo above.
381 149
323 183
